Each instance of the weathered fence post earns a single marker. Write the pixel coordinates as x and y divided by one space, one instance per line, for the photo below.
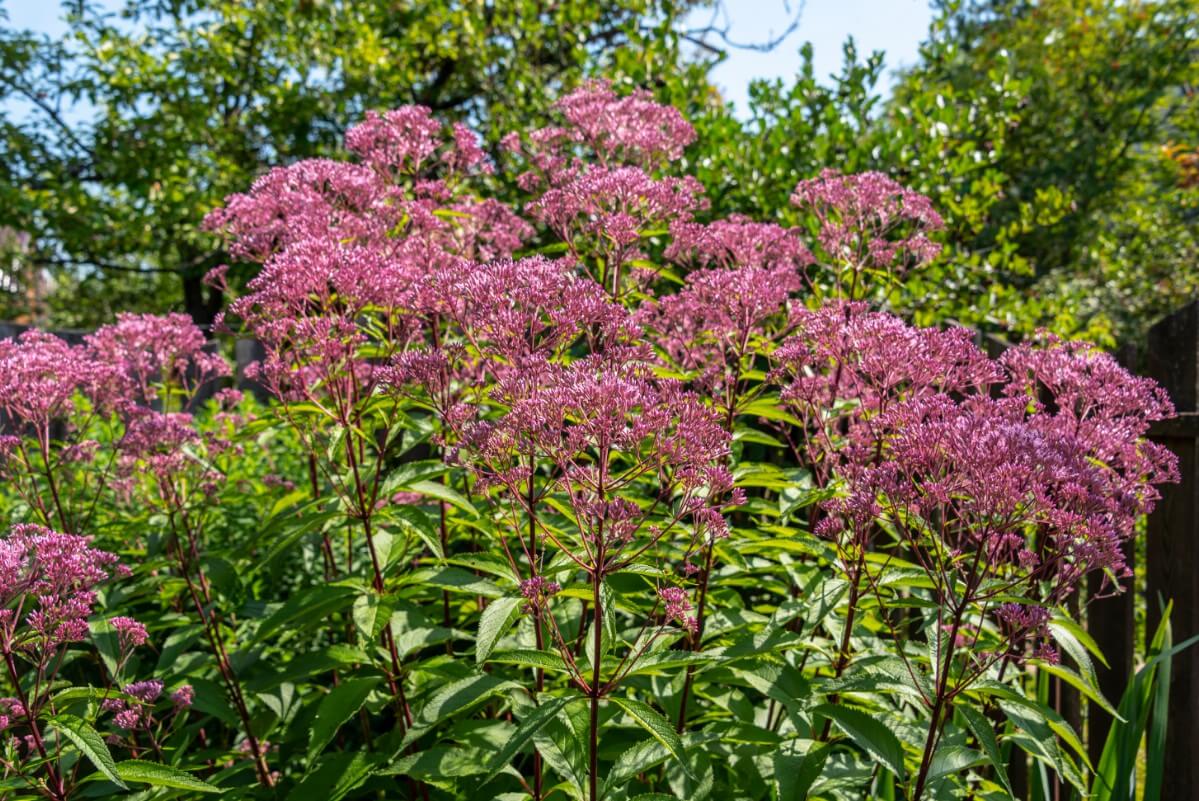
1111 622
245 353
1173 542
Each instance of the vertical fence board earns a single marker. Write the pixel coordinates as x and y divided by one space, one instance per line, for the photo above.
1111 622
1173 544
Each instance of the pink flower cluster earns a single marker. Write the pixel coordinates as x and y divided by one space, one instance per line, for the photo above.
738 242
154 356
678 607
41 376
868 223
607 210
631 128
535 307
135 711
1033 468
721 318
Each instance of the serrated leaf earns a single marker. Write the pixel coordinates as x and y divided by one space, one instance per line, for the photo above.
159 775
528 657
794 774
953 759
441 492
456 697
644 755
371 613
417 521
338 706
871 735
312 605
981 728
1079 683
90 744
493 623
659 727
335 777
524 733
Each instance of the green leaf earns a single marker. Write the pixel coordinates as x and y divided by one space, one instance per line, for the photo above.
90 743
441 492
415 519
336 775
456 697
644 755
794 774
981 728
953 759
658 727
314 605
454 579
371 614
159 775
439 764
335 709
1079 683
873 736
305 665
524 733
1155 744
528 657
495 620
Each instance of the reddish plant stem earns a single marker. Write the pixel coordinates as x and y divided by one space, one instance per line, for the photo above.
696 639
62 515
54 781
326 544
939 710
540 637
842 660
395 678
597 643
224 667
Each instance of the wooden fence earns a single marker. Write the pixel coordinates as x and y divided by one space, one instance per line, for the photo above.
1171 573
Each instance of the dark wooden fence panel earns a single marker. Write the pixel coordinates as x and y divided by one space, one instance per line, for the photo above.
1173 542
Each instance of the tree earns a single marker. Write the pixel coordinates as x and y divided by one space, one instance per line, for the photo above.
1057 138
138 124
1089 204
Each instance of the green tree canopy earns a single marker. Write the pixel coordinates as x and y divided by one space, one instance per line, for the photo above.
135 125
1057 138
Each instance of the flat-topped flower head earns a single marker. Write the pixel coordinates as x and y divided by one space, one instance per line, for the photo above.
401 140
867 223
52 577
155 354
1074 389
861 363
314 198
130 632
631 129
738 242
512 310
40 375
603 213
720 319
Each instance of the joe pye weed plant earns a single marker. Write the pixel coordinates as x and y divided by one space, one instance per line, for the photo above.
582 495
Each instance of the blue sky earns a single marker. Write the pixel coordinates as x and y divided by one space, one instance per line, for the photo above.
894 26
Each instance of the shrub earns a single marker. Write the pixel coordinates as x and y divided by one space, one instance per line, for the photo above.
590 497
